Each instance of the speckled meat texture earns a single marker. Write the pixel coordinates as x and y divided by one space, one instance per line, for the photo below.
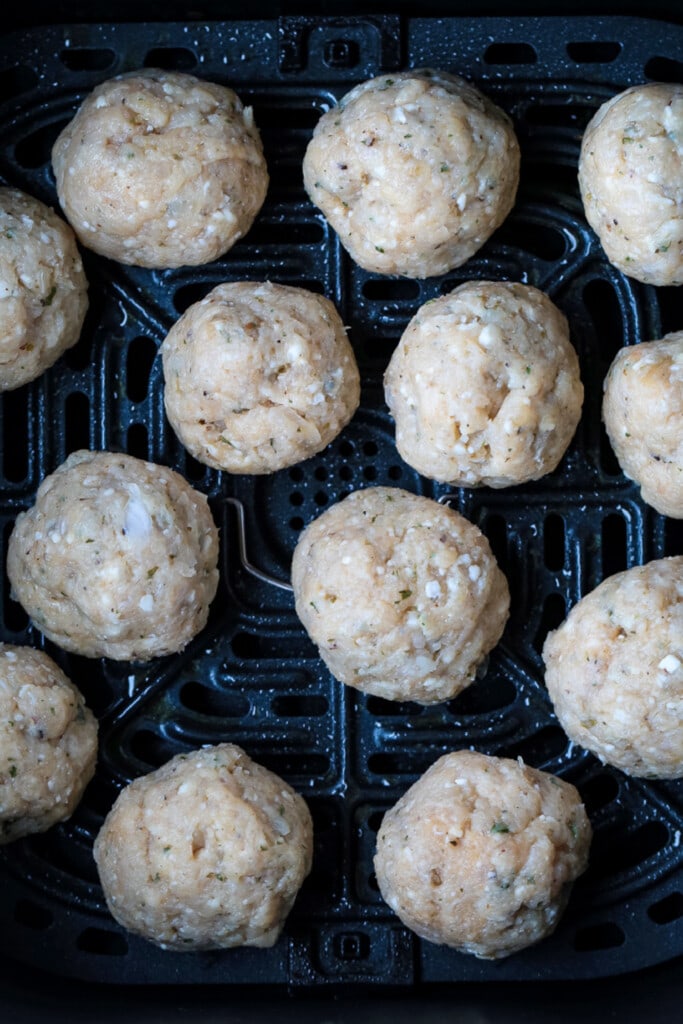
48 743
631 179
614 670
402 596
160 169
43 289
259 377
484 386
414 171
117 558
481 853
207 852
643 414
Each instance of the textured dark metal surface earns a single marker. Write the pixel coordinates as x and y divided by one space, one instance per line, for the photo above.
252 677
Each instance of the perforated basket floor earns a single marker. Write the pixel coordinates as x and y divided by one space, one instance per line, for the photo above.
252 677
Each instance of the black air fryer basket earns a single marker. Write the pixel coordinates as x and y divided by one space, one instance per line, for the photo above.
252 677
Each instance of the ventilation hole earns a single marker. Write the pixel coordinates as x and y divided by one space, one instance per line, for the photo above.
253 645
31 915
298 706
543 746
79 356
392 708
390 290
669 302
102 942
296 523
345 473
16 80
151 748
206 700
137 441
614 544
510 53
611 855
320 498
370 448
15 423
346 449
673 536
170 58
484 696
560 115
286 233
553 615
395 473
321 474
598 936
375 821
351 946
388 764
296 474
605 312
14 616
553 542
88 58
286 765
76 422
599 791
188 294
36 149
664 69
139 361
296 498
369 472
541 240
667 910
341 53
608 460
495 529
595 52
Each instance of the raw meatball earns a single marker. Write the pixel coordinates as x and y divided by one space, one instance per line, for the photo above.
48 743
631 179
402 596
484 386
117 558
207 852
414 171
259 376
481 853
643 413
43 289
160 169
614 670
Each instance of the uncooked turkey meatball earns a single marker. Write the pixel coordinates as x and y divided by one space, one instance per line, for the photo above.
481 852
631 179
207 852
614 670
160 169
484 386
402 595
117 558
48 743
414 171
43 289
259 377
643 412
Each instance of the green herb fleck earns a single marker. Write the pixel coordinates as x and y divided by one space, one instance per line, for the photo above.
166 849
444 168
405 594
13 771
226 440
150 572
663 248
499 827
313 606
528 369
47 301
379 248
9 234
281 810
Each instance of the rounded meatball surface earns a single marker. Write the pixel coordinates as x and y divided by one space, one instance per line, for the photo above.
484 386
481 852
413 171
43 289
48 743
259 377
631 180
207 852
117 558
402 596
160 169
614 670
643 411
